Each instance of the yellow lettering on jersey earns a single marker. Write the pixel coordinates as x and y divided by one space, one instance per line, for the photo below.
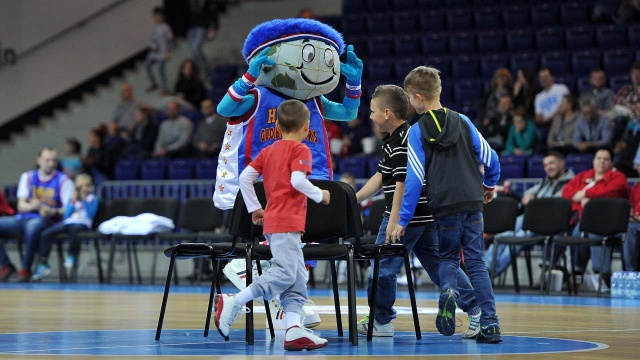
272 116
312 136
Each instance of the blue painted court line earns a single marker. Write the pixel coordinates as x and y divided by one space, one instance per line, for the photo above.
420 295
192 343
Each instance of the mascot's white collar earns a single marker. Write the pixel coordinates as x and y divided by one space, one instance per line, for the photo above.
291 37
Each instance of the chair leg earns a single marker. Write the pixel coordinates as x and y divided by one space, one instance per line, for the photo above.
136 261
112 254
63 272
96 245
351 286
527 256
495 261
207 323
412 296
129 261
154 252
336 297
514 268
548 275
604 246
250 325
167 285
374 293
267 308
543 276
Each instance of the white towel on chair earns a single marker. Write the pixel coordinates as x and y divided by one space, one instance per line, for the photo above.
143 224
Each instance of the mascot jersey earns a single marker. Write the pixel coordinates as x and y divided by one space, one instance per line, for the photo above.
247 135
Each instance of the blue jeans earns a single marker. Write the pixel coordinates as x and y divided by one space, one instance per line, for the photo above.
465 229
48 237
630 247
148 64
424 243
29 229
196 36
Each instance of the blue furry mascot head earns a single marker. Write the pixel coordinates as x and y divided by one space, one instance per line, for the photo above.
288 58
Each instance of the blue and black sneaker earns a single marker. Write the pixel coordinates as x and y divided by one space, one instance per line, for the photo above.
489 334
446 319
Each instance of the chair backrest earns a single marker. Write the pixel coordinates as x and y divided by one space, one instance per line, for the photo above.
547 216
199 214
605 216
354 217
376 212
122 207
167 207
500 215
240 224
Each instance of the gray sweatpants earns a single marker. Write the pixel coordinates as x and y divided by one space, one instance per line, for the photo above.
287 275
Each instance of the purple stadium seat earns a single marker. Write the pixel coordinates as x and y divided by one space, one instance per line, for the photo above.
467 90
544 15
372 166
515 16
465 66
126 169
574 13
462 42
180 169
405 22
360 44
490 62
403 5
487 17
557 61
435 43
582 62
549 38
535 169
223 74
579 37
380 70
617 61
491 40
442 63
455 3
377 5
458 18
405 65
633 36
407 45
524 60
445 96
511 170
618 81
582 85
432 20
610 36
520 40
357 165
206 168
380 46
153 169
429 4
567 80
353 6
352 24
378 24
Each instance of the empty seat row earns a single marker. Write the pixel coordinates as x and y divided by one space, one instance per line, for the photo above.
159 169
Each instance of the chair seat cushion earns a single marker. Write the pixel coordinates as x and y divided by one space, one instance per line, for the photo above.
519 240
387 250
325 251
220 249
572 240
188 250
91 235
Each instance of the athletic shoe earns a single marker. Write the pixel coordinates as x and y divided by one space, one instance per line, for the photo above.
297 339
42 270
380 330
310 318
24 276
446 319
236 272
6 272
474 327
227 309
69 261
489 334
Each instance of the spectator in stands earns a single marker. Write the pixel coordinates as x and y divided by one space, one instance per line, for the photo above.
547 102
125 111
560 135
501 85
42 195
592 129
143 137
160 47
627 148
603 181
208 138
524 91
189 86
98 158
495 129
352 137
601 95
306 13
523 135
628 95
71 163
175 134
631 248
629 12
78 216
203 25
551 186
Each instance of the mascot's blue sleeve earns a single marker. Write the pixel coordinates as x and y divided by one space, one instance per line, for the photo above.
228 107
346 111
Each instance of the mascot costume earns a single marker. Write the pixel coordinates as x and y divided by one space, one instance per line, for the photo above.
288 58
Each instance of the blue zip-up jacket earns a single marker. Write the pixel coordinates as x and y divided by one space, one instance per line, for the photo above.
453 180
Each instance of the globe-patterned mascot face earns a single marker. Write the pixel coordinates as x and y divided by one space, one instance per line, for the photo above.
306 57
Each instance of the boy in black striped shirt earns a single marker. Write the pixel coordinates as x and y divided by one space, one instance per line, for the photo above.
389 105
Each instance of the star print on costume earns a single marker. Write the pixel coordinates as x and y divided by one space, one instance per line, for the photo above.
224 160
224 174
221 188
227 146
229 132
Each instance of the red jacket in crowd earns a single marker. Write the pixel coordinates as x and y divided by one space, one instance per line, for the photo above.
634 199
613 185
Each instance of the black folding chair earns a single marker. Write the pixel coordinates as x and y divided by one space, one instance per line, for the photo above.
608 218
499 216
546 218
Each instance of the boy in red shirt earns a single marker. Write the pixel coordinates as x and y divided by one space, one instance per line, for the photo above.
284 166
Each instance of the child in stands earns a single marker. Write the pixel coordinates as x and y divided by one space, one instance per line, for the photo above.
284 167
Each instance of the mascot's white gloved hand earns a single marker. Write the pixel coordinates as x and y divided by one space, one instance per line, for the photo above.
352 69
262 59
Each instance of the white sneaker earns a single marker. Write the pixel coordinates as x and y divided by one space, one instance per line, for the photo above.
310 318
297 339
474 327
236 272
379 330
227 309
402 280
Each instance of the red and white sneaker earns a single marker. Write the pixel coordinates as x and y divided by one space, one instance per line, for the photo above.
298 339
227 309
